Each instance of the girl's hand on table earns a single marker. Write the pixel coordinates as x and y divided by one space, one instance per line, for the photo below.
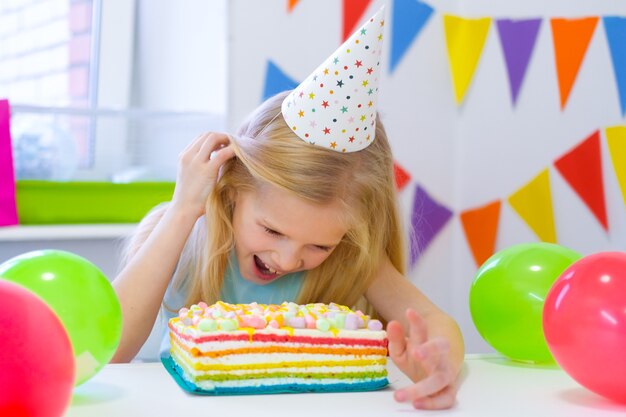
425 361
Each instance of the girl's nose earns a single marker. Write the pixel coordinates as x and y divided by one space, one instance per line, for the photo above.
288 259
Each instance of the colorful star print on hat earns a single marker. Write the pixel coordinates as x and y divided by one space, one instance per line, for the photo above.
335 107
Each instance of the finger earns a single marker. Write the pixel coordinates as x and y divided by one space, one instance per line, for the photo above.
397 341
211 143
195 144
193 147
221 155
417 328
431 354
445 398
428 386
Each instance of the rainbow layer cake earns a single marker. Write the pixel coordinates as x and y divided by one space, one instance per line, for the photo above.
258 348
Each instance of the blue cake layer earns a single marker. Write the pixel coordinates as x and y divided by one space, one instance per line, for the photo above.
176 372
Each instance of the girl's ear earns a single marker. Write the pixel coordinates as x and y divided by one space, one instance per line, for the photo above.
232 194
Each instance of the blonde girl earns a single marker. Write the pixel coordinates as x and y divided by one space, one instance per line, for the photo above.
264 214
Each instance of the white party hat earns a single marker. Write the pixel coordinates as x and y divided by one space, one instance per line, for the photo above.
335 107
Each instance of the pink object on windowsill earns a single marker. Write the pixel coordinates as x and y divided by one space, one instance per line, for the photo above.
8 208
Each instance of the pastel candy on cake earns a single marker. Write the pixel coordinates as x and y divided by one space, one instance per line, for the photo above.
258 348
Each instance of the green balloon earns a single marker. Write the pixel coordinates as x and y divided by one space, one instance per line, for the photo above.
81 296
508 294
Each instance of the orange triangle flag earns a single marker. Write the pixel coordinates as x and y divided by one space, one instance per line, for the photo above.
582 169
291 4
616 141
481 228
571 39
352 12
533 203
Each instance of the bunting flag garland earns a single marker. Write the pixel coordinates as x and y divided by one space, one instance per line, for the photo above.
517 38
276 81
8 207
571 39
408 19
353 11
587 182
615 28
481 229
427 219
533 203
291 4
581 166
616 141
465 39
402 177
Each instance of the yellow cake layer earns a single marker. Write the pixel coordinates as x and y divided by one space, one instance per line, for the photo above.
183 356
304 373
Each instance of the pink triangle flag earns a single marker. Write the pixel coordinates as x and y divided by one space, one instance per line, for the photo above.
582 169
401 175
353 11
8 208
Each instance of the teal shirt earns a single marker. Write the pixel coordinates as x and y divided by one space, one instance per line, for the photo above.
235 290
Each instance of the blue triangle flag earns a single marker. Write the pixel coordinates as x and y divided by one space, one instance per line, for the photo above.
409 17
276 81
615 28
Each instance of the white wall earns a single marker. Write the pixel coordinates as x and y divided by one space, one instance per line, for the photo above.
180 65
463 156
180 55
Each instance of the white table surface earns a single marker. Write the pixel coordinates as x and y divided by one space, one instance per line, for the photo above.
492 386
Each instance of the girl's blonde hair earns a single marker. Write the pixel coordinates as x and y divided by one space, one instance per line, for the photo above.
268 152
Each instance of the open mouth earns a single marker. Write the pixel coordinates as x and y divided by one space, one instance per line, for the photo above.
265 271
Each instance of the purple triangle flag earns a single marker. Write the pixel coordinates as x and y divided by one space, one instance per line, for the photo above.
276 81
517 38
408 19
427 220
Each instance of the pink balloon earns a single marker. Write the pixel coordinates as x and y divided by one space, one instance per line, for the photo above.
36 358
584 321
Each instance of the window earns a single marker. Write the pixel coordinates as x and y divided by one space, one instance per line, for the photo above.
110 90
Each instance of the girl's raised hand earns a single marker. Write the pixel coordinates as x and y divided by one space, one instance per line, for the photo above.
425 361
198 169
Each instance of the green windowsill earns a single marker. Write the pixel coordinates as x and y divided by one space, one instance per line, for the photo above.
87 202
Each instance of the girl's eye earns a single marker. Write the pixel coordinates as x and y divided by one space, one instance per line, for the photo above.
271 231
275 233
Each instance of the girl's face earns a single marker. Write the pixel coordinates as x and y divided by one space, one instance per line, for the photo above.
277 233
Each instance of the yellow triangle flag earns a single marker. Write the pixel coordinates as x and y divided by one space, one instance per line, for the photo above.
465 39
533 203
616 140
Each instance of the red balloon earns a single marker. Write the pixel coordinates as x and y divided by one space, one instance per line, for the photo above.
36 358
584 321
